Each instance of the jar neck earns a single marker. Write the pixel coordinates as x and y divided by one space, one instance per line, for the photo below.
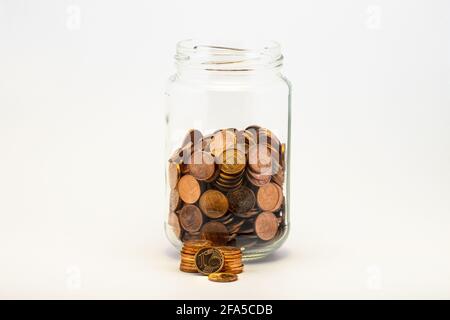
200 59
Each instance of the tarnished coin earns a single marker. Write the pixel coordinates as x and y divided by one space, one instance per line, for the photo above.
222 140
173 222
209 260
216 232
173 174
269 197
191 218
266 225
189 189
213 203
202 165
241 200
222 277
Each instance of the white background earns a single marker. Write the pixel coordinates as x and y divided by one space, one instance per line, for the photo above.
81 140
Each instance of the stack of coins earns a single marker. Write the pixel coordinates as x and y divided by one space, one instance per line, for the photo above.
188 252
228 187
232 260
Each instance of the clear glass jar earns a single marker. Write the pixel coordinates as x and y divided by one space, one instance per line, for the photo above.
228 139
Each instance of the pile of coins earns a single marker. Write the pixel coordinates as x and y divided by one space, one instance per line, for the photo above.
227 187
221 264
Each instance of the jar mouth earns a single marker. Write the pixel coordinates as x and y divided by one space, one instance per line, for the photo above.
221 56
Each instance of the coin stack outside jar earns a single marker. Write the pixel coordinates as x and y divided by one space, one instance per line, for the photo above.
227 187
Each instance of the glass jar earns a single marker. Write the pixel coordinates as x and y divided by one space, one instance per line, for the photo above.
228 138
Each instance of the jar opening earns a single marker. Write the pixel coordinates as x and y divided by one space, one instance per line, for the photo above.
228 57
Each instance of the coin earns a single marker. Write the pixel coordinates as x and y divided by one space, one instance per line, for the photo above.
191 218
216 232
202 165
233 161
189 189
209 260
197 243
222 277
173 174
213 203
241 200
269 197
259 159
174 224
266 225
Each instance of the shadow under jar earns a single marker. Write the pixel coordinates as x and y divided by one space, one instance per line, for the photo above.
228 132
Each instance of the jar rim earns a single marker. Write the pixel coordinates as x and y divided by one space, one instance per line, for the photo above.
224 56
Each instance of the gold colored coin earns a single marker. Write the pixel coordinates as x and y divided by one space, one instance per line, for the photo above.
213 203
233 161
209 260
222 277
173 174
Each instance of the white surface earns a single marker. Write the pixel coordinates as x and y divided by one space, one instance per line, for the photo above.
81 167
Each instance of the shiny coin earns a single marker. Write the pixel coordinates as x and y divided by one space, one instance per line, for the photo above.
202 165
189 189
214 204
241 200
266 225
216 232
222 277
191 218
209 260
233 161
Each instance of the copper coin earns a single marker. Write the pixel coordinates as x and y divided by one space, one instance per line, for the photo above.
216 232
258 182
191 218
222 140
266 225
209 260
202 165
189 189
173 174
174 200
222 277
269 197
241 200
213 203
173 222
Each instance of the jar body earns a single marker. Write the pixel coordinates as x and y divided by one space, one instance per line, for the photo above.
227 178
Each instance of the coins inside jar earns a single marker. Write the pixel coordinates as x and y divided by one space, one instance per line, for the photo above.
227 187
